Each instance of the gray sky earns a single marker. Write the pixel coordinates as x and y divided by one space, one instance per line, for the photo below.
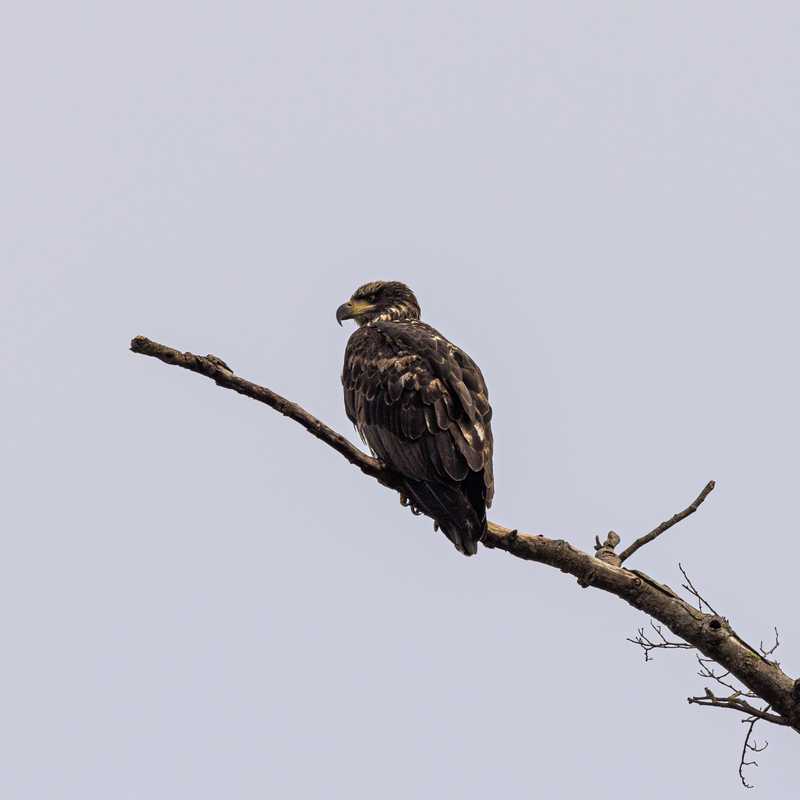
598 201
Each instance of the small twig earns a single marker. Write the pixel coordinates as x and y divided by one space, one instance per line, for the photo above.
666 525
753 748
764 651
689 586
707 672
648 645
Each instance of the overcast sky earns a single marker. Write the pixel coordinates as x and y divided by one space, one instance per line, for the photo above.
597 201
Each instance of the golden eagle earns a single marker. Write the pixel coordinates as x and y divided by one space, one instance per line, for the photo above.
421 405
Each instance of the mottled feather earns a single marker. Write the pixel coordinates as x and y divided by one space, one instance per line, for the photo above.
421 405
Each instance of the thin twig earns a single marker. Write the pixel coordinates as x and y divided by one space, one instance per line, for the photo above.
707 672
753 748
689 586
667 524
775 646
648 645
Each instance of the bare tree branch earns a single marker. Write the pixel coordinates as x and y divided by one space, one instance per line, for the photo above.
710 634
735 703
763 650
707 671
216 369
753 748
733 700
665 526
690 587
661 643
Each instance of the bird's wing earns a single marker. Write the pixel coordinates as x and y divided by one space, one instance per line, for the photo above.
419 402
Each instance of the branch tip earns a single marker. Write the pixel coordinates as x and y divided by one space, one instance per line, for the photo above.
667 524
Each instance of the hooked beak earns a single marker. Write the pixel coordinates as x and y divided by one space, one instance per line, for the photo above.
345 311
352 309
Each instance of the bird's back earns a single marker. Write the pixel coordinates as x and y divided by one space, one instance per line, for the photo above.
422 406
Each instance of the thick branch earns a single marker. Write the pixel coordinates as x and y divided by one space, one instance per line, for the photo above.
711 634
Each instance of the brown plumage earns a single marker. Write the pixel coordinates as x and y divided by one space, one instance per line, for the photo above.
421 405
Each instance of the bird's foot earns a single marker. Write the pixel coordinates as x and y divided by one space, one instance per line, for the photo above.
406 503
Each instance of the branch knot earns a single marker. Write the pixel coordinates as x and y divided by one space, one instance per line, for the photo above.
718 627
605 551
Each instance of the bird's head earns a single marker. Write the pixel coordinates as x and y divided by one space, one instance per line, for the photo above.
379 300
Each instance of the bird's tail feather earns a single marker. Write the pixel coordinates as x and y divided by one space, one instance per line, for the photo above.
451 509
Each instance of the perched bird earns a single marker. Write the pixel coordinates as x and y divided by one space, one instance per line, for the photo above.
421 405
